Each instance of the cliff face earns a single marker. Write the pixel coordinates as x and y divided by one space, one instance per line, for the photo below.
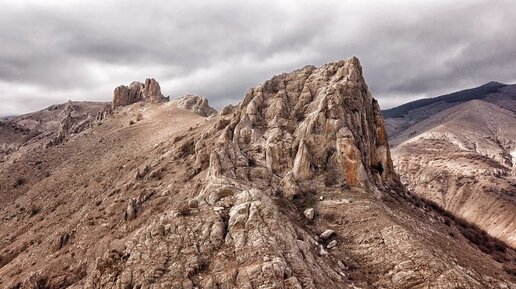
149 91
312 124
293 188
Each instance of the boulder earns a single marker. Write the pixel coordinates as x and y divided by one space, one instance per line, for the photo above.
327 234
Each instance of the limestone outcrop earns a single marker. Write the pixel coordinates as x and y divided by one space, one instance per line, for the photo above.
149 91
316 123
197 104
73 122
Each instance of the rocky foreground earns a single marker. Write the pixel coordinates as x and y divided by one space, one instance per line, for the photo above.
292 188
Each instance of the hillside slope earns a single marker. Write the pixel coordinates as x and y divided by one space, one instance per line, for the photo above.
464 159
294 188
401 118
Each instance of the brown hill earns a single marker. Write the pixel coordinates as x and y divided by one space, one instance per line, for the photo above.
464 159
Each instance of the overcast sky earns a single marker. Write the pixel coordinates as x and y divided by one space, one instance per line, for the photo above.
52 51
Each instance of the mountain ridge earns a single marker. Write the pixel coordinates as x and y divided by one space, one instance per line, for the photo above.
478 92
155 196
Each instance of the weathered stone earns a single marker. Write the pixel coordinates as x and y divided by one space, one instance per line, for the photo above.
197 104
309 213
332 244
327 234
137 91
297 137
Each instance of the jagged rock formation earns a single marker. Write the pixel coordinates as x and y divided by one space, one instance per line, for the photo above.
197 104
73 123
464 159
313 124
182 201
21 134
104 113
149 91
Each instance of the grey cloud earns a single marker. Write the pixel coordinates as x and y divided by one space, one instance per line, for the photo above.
57 50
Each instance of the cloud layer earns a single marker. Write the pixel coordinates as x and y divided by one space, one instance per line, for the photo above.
59 50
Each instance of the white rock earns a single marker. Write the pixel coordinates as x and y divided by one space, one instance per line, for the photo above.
332 244
322 252
327 234
309 213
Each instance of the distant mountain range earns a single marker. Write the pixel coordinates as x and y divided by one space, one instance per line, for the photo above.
458 97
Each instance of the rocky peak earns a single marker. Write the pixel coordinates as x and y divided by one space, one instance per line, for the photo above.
197 104
149 91
228 221
313 124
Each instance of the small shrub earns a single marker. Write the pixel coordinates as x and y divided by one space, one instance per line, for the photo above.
187 148
34 210
184 210
18 182
139 116
131 122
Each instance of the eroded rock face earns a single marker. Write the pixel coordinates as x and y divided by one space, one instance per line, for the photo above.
137 91
197 104
318 123
74 123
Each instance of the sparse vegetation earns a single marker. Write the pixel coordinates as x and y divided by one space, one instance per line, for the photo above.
34 210
184 210
19 181
486 243
187 148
